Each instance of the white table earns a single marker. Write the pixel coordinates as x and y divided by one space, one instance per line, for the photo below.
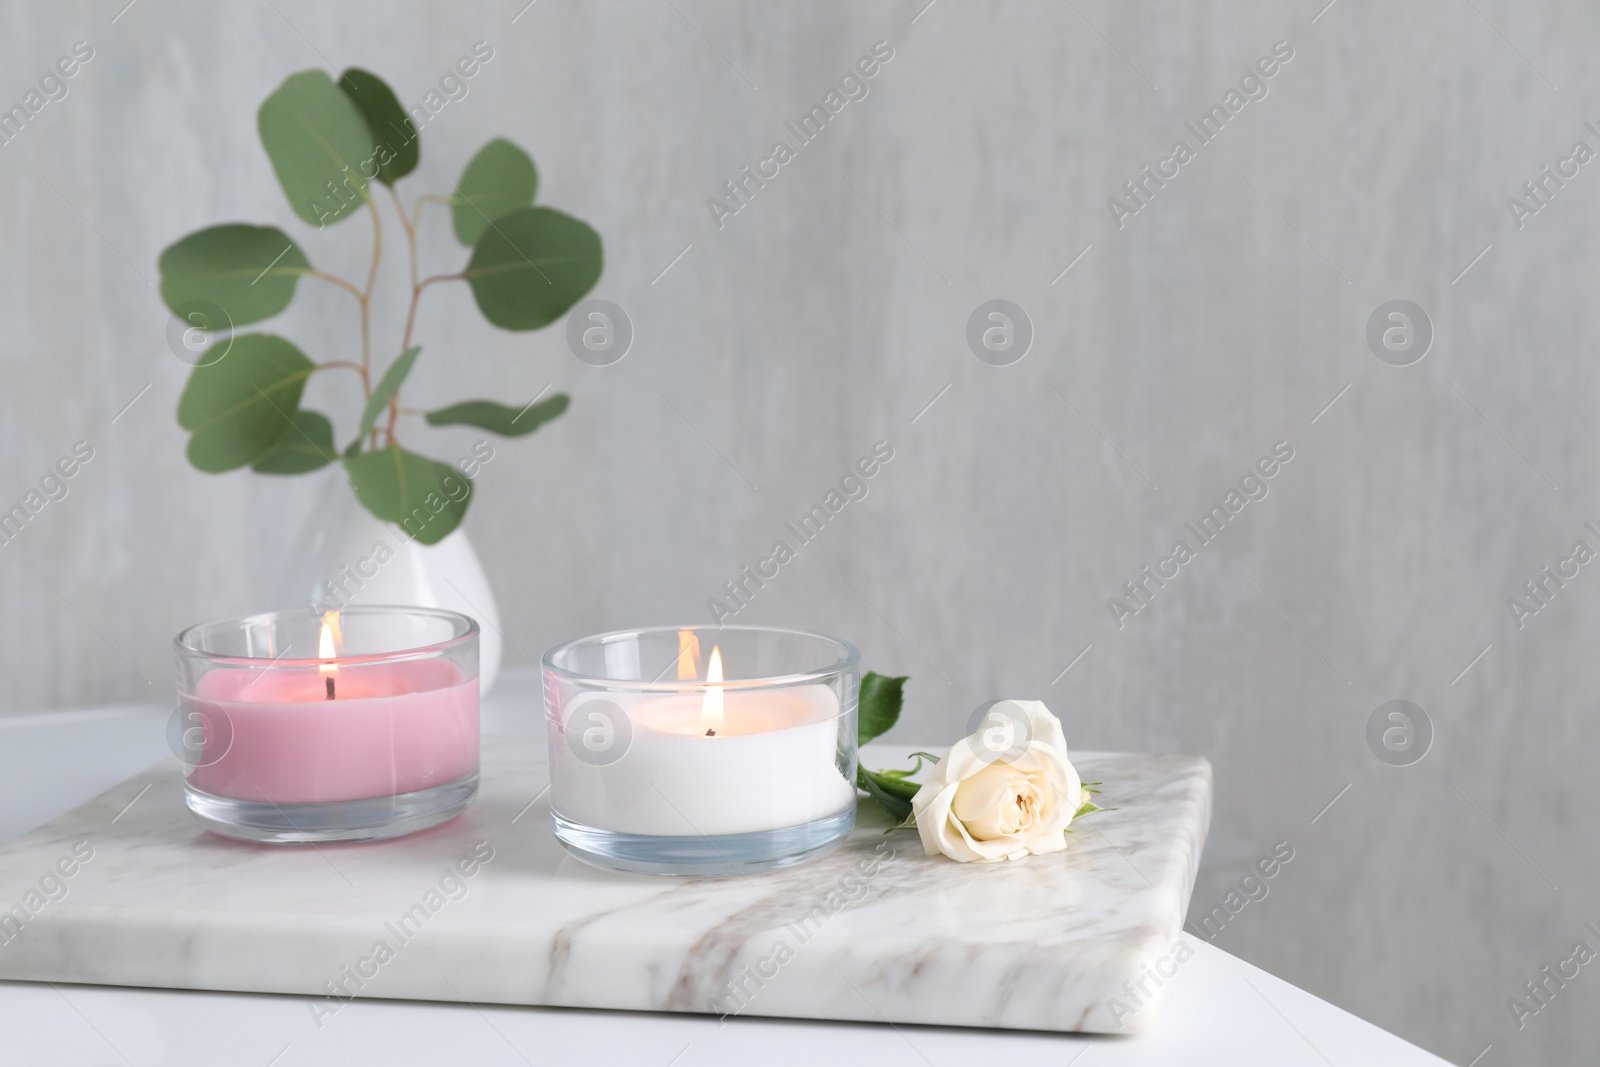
1219 1010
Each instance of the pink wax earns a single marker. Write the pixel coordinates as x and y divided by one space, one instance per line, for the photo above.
274 736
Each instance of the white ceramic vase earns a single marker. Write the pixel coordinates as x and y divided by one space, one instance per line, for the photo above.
346 555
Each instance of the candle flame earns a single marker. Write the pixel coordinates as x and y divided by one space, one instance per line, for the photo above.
688 656
711 706
329 641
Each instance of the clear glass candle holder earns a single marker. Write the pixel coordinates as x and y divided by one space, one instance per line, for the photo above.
356 725
702 750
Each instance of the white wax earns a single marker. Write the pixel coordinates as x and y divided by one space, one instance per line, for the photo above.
774 763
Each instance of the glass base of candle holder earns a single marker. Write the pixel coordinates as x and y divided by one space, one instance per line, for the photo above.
703 856
368 819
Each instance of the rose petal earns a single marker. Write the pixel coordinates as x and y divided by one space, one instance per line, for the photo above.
989 804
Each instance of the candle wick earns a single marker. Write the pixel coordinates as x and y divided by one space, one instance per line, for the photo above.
711 733
330 688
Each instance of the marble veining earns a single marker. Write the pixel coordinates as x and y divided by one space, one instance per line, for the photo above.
488 908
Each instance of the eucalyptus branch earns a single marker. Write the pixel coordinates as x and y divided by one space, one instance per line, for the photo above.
355 116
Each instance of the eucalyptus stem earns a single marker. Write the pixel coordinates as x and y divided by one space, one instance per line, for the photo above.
334 279
428 198
416 295
405 341
410 228
366 308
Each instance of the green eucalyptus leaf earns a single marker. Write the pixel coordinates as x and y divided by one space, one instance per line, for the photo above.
319 142
307 446
248 271
395 146
238 408
880 702
422 496
500 178
497 418
531 266
387 386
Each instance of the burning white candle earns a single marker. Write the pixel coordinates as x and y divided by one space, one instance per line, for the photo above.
721 759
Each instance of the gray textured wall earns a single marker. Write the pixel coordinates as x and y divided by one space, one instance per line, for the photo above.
826 315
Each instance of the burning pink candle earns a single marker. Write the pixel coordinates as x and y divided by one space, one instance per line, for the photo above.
375 736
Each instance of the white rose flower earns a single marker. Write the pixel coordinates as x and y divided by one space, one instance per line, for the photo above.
1000 796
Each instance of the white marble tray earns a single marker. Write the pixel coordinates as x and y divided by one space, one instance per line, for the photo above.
1040 944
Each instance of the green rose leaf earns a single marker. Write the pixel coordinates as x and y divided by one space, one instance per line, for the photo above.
307 446
893 789
395 145
387 386
902 775
1088 807
500 178
238 408
248 271
424 497
888 798
531 266
319 143
497 418
895 784
880 702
